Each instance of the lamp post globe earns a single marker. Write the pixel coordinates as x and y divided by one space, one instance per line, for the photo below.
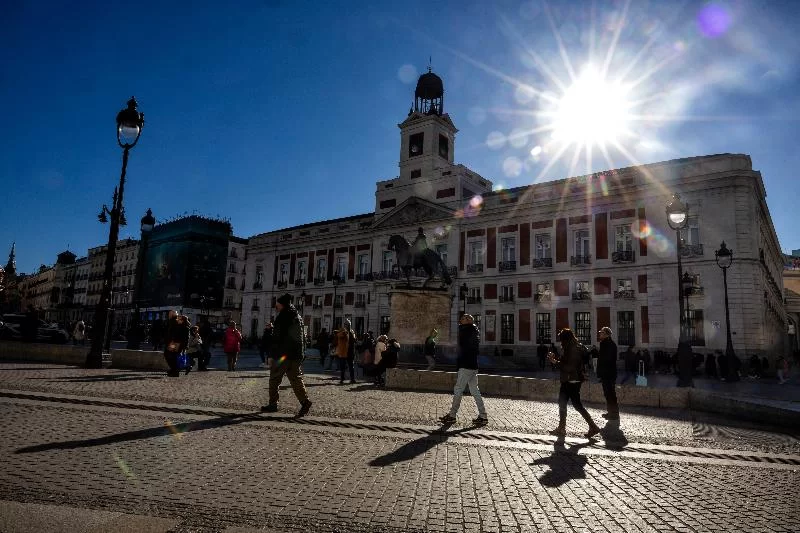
130 122
724 257
677 213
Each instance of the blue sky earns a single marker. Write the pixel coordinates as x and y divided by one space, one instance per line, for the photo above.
278 113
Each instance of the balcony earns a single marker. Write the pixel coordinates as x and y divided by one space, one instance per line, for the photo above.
283 284
544 262
624 256
453 271
360 304
581 295
231 286
300 282
695 291
316 306
507 266
473 269
691 250
256 286
541 297
364 277
318 282
386 274
254 308
474 300
580 260
624 294
506 299
338 305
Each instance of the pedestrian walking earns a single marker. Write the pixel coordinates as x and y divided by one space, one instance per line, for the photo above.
711 366
346 350
323 340
467 367
287 351
175 340
607 372
429 350
232 345
378 369
193 347
572 376
388 359
265 343
206 333
541 354
782 369
79 333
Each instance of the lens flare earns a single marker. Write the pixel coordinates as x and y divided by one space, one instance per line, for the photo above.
713 20
495 140
126 469
641 229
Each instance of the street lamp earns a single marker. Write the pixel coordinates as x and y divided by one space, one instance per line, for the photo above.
462 292
678 219
724 259
129 127
337 280
136 334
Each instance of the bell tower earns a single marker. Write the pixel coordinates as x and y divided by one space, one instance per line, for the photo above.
11 266
427 135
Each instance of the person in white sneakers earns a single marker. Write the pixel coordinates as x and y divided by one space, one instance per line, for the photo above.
467 364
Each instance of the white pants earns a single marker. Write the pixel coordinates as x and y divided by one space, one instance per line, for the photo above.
467 376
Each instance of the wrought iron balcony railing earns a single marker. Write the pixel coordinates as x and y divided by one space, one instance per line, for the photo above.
544 262
360 304
691 250
541 297
474 299
283 284
507 266
453 271
472 269
254 308
300 282
581 260
624 256
506 299
364 277
338 305
319 281
256 286
624 294
695 291
581 295
316 306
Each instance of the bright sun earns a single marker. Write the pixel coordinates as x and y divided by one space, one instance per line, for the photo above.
592 111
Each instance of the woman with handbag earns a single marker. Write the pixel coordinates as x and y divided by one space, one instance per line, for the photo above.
573 374
193 348
231 345
176 339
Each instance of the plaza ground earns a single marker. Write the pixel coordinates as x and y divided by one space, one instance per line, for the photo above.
106 450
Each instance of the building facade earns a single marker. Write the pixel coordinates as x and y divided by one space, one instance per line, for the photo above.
582 252
234 279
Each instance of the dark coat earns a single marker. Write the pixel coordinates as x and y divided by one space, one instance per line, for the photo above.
287 334
266 341
430 347
571 363
176 332
607 360
469 338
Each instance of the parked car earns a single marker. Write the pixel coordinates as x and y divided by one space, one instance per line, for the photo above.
13 326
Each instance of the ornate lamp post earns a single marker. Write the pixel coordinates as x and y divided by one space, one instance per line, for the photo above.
463 291
724 259
136 333
337 280
678 219
129 127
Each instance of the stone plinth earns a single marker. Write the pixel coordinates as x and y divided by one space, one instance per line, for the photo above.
414 312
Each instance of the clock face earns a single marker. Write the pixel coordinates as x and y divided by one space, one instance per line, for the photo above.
415 144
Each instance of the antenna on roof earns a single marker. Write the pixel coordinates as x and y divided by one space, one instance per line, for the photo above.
430 61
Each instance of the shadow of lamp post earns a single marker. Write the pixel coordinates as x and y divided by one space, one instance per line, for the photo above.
724 260
129 127
136 331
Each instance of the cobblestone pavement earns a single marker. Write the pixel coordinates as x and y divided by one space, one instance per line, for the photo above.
195 449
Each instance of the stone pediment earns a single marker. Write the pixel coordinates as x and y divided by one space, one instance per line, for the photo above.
413 211
418 117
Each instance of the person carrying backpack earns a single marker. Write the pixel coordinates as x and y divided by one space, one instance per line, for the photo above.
573 375
287 353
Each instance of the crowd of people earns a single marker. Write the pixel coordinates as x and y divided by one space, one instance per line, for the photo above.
350 351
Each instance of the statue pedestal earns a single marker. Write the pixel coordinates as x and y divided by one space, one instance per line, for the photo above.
415 312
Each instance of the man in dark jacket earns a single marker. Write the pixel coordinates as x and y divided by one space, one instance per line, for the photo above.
286 353
607 372
265 344
176 337
469 337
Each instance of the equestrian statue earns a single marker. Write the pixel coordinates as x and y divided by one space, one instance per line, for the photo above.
418 255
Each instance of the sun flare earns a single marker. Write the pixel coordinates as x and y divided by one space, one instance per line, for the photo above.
592 112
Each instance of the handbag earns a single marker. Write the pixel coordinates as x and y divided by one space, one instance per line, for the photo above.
183 361
173 346
641 379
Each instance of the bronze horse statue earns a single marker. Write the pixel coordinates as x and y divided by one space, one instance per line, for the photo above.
427 259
